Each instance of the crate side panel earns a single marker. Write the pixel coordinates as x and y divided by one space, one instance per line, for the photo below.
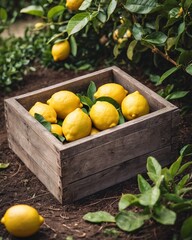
39 149
116 152
114 175
151 120
54 184
76 85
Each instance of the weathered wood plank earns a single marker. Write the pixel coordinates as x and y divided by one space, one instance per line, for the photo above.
55 187
35 142
116 152
114 175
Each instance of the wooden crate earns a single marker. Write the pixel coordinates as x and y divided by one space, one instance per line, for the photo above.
74 170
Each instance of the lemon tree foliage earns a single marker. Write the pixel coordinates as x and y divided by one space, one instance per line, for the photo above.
162 197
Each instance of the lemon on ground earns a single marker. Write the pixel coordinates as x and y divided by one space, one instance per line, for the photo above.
56 128
64 102
104 115
22 220
73 4
113 90
76 125
94 131
134 105
44 110
61 50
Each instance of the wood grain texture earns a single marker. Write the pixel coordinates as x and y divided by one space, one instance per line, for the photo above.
114 175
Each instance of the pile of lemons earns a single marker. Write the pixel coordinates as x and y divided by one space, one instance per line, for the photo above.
78 123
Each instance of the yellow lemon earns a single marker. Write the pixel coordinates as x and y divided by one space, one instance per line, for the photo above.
94 131
104 115
128 34
113 90
76 125
44 110
134 105
73 4
56 128
116 34
61 50
22 220
39 25
64 102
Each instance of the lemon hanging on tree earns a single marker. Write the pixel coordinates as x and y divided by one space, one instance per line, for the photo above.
61 50
134 105
73 5
22 220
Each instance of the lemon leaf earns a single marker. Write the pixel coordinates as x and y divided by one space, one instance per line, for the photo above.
42 120
121 117
110 100
91 91
85 100
33 10
4 165
55 11
59 137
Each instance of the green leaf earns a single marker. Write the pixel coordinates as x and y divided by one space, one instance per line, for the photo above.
164 215
111 8
3 14
121 117
130 49
130 221
175 167
177 95
186 150
143 184
4 165
91 91
171 197
73 45
189 69
150 197
157 38
140 6
85 100
33 10
184 167
55 11
138 31
127 200
182 182
183 206
110 100
98 217
168 73
153 166
186 229
59 137
42 120
77 22
86 4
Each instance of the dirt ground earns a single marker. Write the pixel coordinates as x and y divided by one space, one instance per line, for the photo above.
19 185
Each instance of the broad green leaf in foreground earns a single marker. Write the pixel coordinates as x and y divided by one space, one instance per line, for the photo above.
140 6
164 215
91 91
33 10
153 166
126 200
157 38
150 197
98 217
143 184
186 229
77 22
111 8
4 165
86 4
130 221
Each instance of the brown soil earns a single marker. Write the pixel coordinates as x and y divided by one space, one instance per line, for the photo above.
19 185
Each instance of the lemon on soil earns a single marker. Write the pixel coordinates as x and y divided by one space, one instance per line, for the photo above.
56 128
61 50
73 4
113 90
76 125
104 115
64 102
22 220
134 105
44 110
